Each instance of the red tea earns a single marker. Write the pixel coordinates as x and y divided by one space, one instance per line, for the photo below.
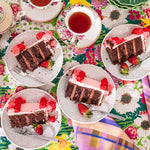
40 3
79 22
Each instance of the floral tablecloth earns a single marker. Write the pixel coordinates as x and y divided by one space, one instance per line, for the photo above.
130 102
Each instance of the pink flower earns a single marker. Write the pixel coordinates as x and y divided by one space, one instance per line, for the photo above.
67 34
15 8
99 13
143 99
147 11
79 51
59 23
2 69
19 88
90 54
134 15
131 132
69 122
14 34
99 3
4 99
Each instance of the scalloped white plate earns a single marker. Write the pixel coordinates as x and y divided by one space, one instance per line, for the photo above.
29 141
44 74
70 108
134 74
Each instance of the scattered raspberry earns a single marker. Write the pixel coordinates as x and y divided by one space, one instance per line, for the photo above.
79 75
137 31
44 64
52 119
43 102
53 43
104 84
52 104
38 128
39 35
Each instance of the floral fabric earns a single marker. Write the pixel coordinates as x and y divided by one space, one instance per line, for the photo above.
130 102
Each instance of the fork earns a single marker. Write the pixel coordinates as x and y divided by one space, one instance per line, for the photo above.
25 131
106 113
19 71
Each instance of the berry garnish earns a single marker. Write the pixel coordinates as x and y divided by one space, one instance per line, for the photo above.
146 29
137 31
53 43
124 69
17 108
43 102
38 128
52 104
118 40
78 75
39 35
134 60
104 84
18 48
52 119
23 100
18 100
84 111
47 63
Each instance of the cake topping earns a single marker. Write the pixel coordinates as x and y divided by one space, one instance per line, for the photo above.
39 35
124 69
84 111
43 102
137 31
47 63
52 119
78 75
38 128
52 104
18 48
104 84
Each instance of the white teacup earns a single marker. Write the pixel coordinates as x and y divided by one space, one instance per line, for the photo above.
85 10
42 7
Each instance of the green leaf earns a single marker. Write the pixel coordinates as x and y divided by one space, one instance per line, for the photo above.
6 78
36 28
53 22
148 137
139 142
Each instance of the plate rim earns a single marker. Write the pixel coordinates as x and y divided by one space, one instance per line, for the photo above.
28 89
60 85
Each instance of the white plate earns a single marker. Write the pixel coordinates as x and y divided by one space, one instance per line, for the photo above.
134 74
39 15
89 37
70 108
46 75
30 142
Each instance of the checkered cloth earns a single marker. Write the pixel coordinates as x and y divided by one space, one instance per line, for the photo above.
146 90
103 135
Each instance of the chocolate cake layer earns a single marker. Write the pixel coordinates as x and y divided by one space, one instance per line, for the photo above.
22 120
83 94
125 50
32 57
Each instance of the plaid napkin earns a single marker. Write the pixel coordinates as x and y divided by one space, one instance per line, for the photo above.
103 135
146 90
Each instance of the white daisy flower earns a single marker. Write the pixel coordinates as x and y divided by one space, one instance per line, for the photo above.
67 52
69 65
114 16
126 99
146 144
144 124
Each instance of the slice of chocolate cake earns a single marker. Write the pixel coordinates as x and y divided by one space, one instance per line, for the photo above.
132 46
83 89
32 56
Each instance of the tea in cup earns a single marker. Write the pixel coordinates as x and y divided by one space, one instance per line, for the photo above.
79 20
41 4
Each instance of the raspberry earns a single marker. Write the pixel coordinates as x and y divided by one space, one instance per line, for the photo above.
79 75
23 100
18 101
21 47
118 40
17 108
104 84
52 119
137 31
43 102
52 104
39 35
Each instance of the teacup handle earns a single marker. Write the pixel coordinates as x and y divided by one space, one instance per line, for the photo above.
19 15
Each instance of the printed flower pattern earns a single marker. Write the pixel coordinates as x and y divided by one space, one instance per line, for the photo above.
131 132
15 8
126 99
134 15
113 16
2 69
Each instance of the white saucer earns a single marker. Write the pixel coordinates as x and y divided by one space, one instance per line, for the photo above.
134 74
70 108
81 40
44 74
28 141
40 15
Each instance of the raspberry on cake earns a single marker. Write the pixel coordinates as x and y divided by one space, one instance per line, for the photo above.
30 57
120 50
23 114
83 89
